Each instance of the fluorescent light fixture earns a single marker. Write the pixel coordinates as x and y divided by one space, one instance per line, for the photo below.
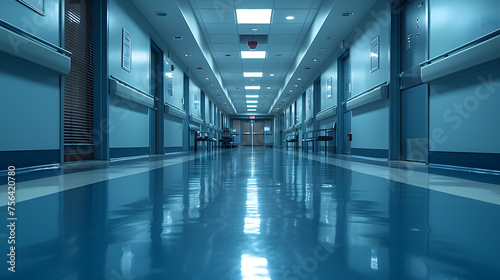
252 101
254 16
252 96
251 106
253 54
268 87
252 110
272 75
252 74
252 87
290 17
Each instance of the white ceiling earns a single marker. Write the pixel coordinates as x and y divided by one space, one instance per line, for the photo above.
211 37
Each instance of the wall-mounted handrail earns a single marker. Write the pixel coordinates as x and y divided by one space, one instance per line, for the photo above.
18 43
329 112
376 93
467 58
174 111
120 81
32 37
368 90
309 120
173 106
464 46
196 119
129 93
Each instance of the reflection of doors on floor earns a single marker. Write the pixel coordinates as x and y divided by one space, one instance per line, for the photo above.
252 133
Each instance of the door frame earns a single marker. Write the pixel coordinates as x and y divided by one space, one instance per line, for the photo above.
395 100
340 100
156 135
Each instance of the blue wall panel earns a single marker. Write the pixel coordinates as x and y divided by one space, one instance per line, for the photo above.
45 27
370 125
464 111
29 107
330 72
455 23
464 106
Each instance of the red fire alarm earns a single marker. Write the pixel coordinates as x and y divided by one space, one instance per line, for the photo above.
252 117
349 137
252 44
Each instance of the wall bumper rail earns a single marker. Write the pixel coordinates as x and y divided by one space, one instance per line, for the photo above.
327 113
126 91
174 111
195 119
297 126
369 96
193 127
308 121
287 130
21 44
465 57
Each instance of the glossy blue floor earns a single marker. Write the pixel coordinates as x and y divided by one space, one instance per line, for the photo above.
256 213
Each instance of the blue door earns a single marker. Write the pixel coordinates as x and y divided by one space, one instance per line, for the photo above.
414 94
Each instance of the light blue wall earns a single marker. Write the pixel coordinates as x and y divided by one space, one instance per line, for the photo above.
194 97
29 106
30 94
46 27
464 106
129 121
464 111
299 113
309 102
456 23
178 88
370 124
330 72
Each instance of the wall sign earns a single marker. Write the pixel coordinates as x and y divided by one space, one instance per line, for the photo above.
169 78
374 55
126 51
329 88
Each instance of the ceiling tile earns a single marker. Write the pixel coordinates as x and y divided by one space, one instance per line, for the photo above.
227 29
218 16
262 29
282 39
226 47
280 47
226 4
253 4
286 28
287 4
225 39
300 16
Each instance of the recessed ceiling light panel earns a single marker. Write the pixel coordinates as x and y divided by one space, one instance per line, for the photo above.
252 74
290 17
252 87
253 54
254 16
252 96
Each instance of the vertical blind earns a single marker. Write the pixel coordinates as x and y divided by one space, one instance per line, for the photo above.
79 84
